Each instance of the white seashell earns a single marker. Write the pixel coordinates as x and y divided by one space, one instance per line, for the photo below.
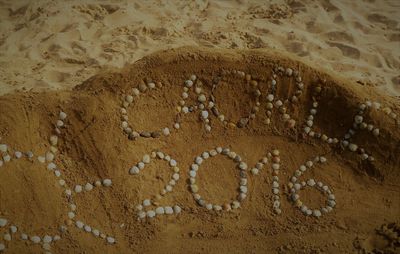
175 176
51 166
110 240
18 154
7 237
311 182
160 210
96 232
199 160
146 159
189 83
146 202
3 222
201 98
78 188
278 103
49 156
63 115
135 91
172 163
358 119
6 158
129 98
353 147
242 165
88 187
107 182
168 210
270 97
13 229
53 140
134 170
177 209
166 131
317 213
71 215
150 214
60 123
204 114
254 171
2 247
47 239
3 148
192 173
35 239
289 72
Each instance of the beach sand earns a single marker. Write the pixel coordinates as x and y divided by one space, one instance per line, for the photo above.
59 44
86 59
92 145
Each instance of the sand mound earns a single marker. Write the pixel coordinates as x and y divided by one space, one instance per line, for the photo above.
308 119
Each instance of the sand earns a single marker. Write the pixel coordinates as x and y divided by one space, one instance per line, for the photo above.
59 44
93 146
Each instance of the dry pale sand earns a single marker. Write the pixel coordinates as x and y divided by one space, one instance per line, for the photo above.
58 44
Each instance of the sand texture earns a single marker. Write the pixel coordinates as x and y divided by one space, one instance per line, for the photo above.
59 44
92 146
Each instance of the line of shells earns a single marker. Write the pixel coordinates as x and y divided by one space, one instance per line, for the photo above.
242 189
48 159
296 186
358 125
207 104
274 157
142 209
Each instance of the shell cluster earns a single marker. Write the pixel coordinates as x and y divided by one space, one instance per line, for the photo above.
359 123
142 210
296 186
241 165
274 157
255 94
272 101
49 160
129 99
206 105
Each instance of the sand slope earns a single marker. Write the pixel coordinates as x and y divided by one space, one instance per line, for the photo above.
93 146
59 44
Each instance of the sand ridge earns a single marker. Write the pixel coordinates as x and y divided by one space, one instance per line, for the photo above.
93 146
58 44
